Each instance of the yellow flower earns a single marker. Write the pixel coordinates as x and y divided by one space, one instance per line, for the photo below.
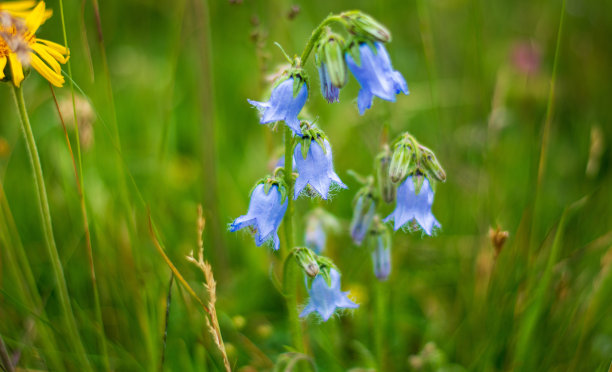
21 9
43 55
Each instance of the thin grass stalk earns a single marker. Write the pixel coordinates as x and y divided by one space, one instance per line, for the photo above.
78 173
43 203
17 259
7 363
546 135
92 270
166 321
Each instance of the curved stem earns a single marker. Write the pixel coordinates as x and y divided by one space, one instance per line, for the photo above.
290 275
43 203
316 34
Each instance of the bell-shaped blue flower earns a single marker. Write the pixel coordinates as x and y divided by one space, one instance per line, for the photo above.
363 215
329 91
376 75
325 299
315 236
283 105
266 211
381 259
317 169
412 206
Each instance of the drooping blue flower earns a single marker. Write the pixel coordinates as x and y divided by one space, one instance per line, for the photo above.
329 91
376 76
381 259
315 236
363 215
412 206
317 169
283 105
326 299
266 211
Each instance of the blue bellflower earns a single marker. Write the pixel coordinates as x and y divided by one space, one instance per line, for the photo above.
282 105
317 169
381 259
266 211
326 299
329 91
363 214
411 206
376 76
315 236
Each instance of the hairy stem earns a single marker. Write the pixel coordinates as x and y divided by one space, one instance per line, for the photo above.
315 36
291 276
43 203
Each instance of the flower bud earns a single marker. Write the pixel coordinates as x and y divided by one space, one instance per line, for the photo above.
400 161
363 214
379 241
385 185
308 261
431 166
330 59
361 24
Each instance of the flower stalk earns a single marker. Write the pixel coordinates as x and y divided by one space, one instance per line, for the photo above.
43 203
290 284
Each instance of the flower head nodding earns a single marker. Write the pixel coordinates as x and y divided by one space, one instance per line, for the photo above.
375 74
318 224
266 211
413 205
325 299
379 242
284 104
314 165
363 214
332 66
329 90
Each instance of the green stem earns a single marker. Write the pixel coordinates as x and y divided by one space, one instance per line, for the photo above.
315 36
545 138
43 203
81 190
291 275
380 325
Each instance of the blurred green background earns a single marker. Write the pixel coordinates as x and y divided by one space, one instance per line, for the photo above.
179 73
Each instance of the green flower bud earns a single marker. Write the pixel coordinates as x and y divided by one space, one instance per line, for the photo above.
308 261
325 267
361 24
431 166
330 59
400 161
385 185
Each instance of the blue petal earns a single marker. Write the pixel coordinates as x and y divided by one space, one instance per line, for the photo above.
317 169
414 206
376 76
326 299
282 105
265 213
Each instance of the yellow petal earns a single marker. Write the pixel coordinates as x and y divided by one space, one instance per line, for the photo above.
54 53
36 17
17 5
46 72
16 69
60 48
2 65
40 49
